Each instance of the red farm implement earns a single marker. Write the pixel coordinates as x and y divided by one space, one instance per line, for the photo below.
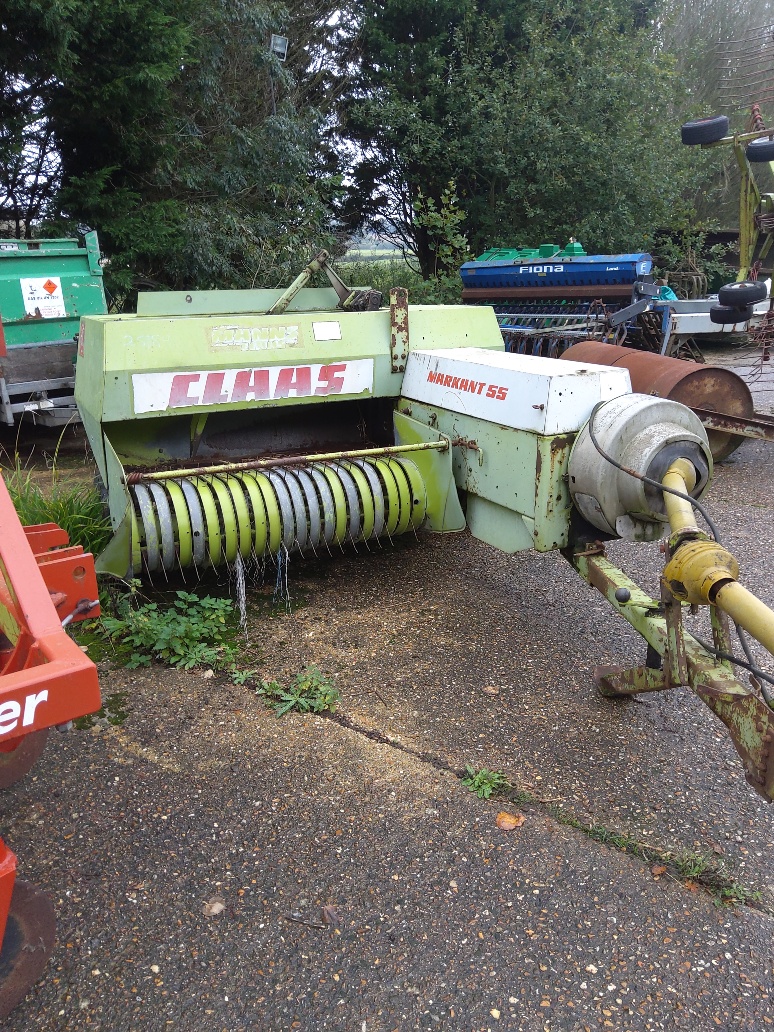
45 680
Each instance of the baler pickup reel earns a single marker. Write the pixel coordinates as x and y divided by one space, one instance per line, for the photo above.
239 425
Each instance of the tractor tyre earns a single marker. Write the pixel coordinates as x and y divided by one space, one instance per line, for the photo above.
18 761
725 315
704 130
738 295
760 150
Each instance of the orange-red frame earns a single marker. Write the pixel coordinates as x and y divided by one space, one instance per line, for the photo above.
45 678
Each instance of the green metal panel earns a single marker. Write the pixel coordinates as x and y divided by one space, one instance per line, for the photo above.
525 254
444 513
517 497
116 348
232 302
71 269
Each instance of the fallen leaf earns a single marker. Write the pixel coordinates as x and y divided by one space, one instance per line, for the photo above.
330 917
213 907
490 689
657 870
691 886
509 821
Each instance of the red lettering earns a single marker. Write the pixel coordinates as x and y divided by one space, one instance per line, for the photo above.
331 379
491 391
179 392
251 384
480 388
295 378
447 381
502 393
455 383
213 390
431 377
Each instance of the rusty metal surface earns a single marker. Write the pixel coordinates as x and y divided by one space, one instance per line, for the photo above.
399 328
17 762
759 427
694 384
749 720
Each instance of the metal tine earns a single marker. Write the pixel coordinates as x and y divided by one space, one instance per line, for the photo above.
312 499
180 567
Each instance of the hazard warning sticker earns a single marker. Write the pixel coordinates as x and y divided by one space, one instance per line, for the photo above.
43 298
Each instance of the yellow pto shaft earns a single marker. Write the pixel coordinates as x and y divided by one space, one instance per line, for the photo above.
704 572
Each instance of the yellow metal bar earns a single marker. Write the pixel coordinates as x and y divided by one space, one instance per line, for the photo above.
748 611
300 460
681 476
698 567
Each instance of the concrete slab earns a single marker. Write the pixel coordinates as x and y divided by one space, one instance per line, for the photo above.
446 654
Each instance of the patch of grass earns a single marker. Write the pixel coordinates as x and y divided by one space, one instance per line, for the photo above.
683 865
386 274
310 691
77 509
485 782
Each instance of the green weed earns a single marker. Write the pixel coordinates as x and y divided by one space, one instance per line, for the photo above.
384 275
683 865
242 676
310 691
191 632
485 782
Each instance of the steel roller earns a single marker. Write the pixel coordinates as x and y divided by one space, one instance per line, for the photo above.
209 520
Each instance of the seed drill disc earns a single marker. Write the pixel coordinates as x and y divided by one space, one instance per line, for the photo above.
28 942
15 764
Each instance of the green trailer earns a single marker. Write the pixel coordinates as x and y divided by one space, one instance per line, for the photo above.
45 288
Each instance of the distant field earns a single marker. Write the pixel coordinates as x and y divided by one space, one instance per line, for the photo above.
375 254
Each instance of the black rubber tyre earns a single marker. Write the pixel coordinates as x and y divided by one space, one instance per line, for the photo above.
746 292
726 315
27 944
15 764
760 150
704 130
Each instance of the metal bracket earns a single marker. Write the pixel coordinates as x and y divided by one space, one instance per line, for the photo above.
399 328
749 720
673 672
364 299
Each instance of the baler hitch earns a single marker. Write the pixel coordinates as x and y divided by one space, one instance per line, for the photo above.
698 571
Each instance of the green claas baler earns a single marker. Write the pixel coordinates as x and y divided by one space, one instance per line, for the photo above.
239 424
45 288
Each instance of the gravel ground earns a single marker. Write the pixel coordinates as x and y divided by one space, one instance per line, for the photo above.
446 654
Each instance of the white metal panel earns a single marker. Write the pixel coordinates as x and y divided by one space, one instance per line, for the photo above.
541 395
691 318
